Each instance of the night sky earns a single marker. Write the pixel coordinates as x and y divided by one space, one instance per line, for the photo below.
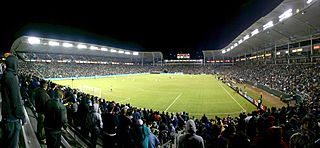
168 27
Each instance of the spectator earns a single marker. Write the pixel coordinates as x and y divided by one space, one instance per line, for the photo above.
12 109
41 98
55 119
190 139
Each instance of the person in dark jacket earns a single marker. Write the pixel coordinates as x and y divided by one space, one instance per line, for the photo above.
190 139
41 98
12 109
55 118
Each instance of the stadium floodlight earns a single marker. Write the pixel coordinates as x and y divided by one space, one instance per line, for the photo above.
278 53
33 40
104 49
240 41
94 48
135 53
120 51
246 37
127 52
113 50
268 25
67 45
223 51
53 43
309 1
285 15
81 46
254 32
235 45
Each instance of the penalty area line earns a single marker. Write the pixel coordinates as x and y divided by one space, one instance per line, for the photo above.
173 101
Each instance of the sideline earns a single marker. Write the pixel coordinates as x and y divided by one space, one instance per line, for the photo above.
231 96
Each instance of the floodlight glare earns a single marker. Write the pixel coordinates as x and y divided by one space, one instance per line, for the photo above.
53 43
67 45
268 25
135 53
246 37
120 51
93 47
112 50
104 49
254 32
285 15
309 1
34 40
223 51
127 52
81 46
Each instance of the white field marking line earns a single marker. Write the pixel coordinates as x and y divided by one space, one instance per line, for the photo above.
173 101
232 97
124 100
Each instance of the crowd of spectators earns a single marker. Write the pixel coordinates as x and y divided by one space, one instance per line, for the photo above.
122 124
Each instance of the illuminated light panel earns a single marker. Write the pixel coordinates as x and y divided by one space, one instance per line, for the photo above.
127 52
135 53
53 43
268 25
94 48
254 32
285 15
104 49
246 37
67 45
81 46
33 40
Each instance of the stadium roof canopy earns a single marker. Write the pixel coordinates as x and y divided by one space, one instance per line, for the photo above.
292 21
29 44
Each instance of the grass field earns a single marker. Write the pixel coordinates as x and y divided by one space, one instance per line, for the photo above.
195 94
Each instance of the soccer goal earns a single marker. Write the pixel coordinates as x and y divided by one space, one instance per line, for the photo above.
91 90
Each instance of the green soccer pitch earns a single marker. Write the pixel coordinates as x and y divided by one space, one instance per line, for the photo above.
195 94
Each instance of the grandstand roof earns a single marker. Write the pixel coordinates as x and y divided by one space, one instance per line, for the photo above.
28 44
300 21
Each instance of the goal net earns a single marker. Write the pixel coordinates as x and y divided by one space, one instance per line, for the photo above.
91 90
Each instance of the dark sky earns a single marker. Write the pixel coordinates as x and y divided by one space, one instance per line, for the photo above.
168 27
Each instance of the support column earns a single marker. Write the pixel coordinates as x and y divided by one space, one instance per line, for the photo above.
288 56
275 53
311 50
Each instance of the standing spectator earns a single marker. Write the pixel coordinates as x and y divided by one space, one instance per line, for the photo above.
190 139
41 98
12 109
55 118
153 141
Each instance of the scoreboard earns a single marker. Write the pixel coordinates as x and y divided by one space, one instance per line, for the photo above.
183 56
